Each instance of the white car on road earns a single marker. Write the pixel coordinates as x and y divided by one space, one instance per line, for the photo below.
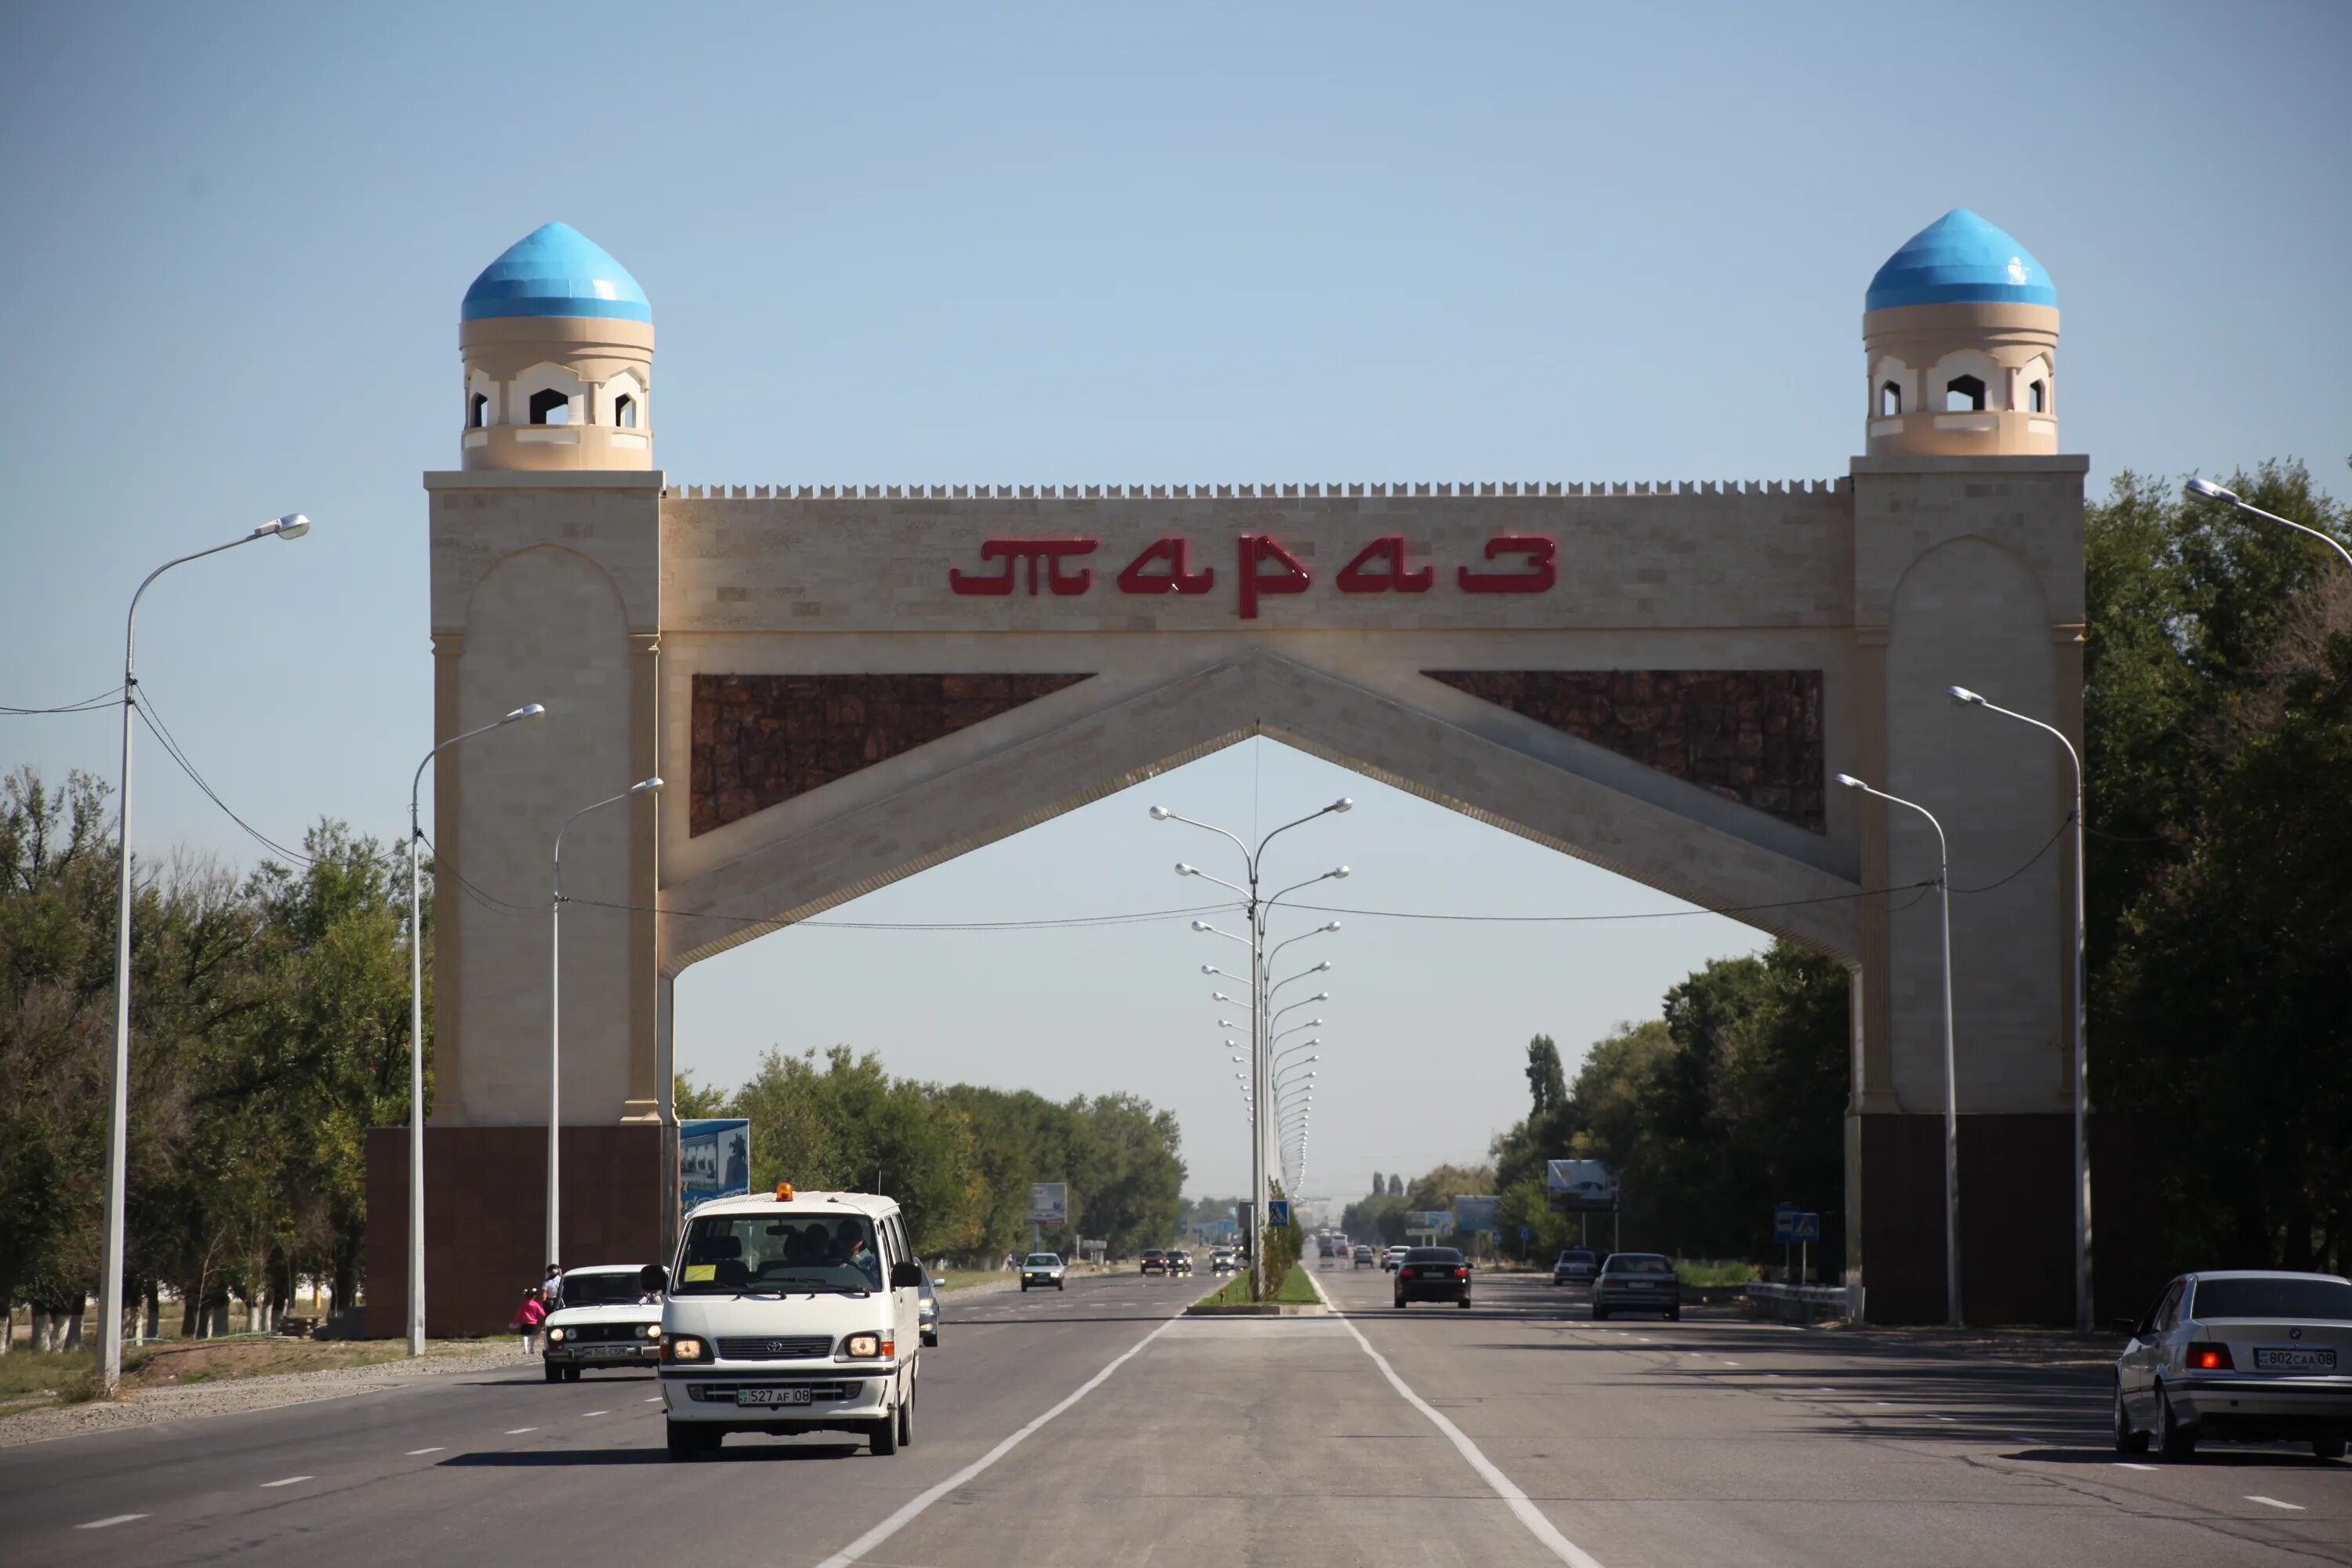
2254 1355
604 1316
1044 1269
792 1312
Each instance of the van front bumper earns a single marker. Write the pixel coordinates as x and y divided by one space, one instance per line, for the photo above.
707 1394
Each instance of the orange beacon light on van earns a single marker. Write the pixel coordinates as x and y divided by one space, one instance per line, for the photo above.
784 1192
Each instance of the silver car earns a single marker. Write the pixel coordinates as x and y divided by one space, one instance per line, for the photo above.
2242 1354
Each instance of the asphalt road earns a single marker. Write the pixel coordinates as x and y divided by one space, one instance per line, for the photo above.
1093 1426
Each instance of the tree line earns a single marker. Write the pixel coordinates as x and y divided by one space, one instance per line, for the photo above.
269 1015
959 1158
2218 767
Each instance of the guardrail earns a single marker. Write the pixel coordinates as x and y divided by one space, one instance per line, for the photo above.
1803 1303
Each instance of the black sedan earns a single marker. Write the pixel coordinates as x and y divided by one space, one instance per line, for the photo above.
1154 1261
1434 1274
1638 1282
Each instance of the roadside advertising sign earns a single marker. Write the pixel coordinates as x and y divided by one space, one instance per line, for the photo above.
1439 1220
714 1160
1473 1214
1581 1186
1049 1203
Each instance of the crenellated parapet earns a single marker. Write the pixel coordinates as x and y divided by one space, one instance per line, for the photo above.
1352 490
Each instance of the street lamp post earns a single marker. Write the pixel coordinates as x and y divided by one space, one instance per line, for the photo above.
1967 698
1257 908
556 1015
293 525
2205 490
1951 1070
417 1029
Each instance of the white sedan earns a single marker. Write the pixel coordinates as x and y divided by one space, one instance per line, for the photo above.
1043 1268
2248 1356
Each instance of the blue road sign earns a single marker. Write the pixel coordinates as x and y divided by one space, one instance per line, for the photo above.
1277 1213
1527 1233
1784 1223
1808 1228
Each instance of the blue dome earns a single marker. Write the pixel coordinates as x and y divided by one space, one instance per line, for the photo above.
555 270
1959 259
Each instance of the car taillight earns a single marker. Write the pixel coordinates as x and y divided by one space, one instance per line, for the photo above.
1461 1274
2206 1356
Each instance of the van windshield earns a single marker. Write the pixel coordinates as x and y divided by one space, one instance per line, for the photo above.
729 1255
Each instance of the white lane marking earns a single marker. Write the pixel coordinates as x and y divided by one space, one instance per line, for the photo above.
1728 1361
110 1521
1528 1514
435 1449
1940 1418
2127 1464
585 1414
518 1431
2274 1503
1883 1403
288 1482
655 1400
906 1515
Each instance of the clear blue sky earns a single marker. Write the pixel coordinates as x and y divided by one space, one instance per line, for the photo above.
1093 242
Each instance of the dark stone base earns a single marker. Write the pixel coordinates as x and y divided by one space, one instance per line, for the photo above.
2017 1219
486 1217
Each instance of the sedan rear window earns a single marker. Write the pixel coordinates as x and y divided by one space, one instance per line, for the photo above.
1639 1263
2330 1300
1434 1254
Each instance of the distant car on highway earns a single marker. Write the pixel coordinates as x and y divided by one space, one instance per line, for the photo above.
1364 1259
1637 1282
1044 1269
2236 1355
1393 1257
1432 1274
1154 1261
930 1317
1179 1263
1222 1261
608 1319
1575 1266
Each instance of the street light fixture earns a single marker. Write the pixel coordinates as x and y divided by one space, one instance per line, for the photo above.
1257 907
416 1026
1951 1071
2205 490
1968 698
555 1013
293 525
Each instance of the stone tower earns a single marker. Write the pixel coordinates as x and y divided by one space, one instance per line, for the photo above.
558 341
1960 329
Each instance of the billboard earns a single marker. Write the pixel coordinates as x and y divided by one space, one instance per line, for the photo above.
1439 1220
1049 1203
1476 1213
1581 1186
714 1160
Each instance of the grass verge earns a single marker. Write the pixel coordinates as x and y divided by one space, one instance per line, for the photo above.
1295 1290
29 1382
1697 1274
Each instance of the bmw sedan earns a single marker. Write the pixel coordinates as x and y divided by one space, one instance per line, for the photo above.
2244 1355
1434 1274
1637 1282
1575 1266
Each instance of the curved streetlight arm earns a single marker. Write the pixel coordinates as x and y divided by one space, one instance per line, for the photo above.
1968 698
1205 926
1335 874
1302 1046
1943 849
1184 869
1167 815
1292 1007
1310 1023
1343 804
2205 490
1324 929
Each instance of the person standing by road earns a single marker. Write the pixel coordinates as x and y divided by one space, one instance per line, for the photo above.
527 1318
550 1289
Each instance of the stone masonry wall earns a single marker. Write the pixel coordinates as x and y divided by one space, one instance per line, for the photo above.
1749 735
762 739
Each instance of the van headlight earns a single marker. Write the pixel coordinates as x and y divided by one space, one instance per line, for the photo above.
865 1347
685 1347
555 1336
653 1331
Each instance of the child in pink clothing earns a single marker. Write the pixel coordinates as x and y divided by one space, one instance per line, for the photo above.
527 1318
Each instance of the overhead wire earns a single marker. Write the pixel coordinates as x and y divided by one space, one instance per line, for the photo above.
153 719
103 700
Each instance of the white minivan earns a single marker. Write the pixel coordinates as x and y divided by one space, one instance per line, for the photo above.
790 1312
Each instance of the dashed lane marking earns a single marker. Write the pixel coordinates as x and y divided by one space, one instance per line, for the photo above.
2274 1503
2127 1464
518 1431
287 1482
655 1400
437 1448
585 1414
858 1549
110 1521
1547 1533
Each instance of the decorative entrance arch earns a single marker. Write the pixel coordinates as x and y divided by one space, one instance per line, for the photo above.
845 684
